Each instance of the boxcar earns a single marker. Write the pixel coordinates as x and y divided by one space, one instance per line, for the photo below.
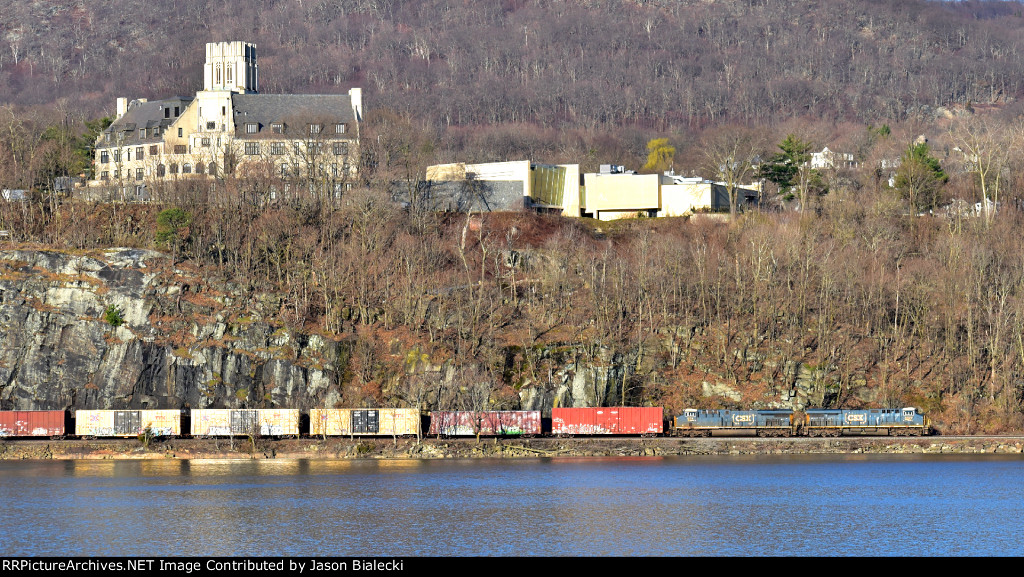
364 422
765 423
31 423
835 422
485 423
607 421
107 423
230 422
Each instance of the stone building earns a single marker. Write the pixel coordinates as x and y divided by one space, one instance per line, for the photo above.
230 129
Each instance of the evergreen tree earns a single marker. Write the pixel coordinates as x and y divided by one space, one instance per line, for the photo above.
919 178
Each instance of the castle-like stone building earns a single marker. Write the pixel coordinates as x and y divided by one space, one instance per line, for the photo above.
230 129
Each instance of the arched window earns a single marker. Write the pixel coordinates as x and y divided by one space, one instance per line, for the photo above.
199 168
213 169
161 170
174 168
228 75
217 78
186 168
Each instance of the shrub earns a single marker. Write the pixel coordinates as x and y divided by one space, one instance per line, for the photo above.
113 316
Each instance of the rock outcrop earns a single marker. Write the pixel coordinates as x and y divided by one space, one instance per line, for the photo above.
125 329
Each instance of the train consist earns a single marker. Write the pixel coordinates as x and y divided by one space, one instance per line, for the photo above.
564 422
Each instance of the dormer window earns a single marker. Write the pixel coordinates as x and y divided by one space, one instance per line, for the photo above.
251 128
339 128
277 128
315 128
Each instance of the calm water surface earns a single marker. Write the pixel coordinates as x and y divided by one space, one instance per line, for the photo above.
795 505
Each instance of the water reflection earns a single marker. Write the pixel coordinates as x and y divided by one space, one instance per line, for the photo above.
786 505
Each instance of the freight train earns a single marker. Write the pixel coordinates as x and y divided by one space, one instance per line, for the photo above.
564 422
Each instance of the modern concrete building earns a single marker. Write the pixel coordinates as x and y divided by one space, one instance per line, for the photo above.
610 194
681 196
230 129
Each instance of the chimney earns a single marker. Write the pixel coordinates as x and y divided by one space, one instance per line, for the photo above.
122 107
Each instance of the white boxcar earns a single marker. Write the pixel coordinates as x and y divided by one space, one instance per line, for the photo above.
107 423
232 422
364 422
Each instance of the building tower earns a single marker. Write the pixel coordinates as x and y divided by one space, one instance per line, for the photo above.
230 66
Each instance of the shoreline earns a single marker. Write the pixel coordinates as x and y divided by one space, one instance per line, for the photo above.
462 448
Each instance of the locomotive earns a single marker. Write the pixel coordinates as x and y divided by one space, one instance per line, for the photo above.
815 422
565 422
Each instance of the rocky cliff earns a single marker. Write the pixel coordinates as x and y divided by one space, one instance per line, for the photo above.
123 328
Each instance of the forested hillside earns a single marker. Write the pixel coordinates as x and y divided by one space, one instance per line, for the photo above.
869 295
660 64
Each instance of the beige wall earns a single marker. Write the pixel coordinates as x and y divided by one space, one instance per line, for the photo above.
680 199
619 194
516 170
571 197
442 172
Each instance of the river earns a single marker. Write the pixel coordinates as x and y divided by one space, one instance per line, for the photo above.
834 505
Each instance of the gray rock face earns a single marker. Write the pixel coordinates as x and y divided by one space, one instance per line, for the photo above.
123 328
182 343
172 348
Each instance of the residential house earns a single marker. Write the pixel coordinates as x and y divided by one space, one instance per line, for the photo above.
831 159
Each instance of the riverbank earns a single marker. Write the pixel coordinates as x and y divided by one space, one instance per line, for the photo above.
383 448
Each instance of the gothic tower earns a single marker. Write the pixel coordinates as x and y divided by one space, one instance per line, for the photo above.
230 66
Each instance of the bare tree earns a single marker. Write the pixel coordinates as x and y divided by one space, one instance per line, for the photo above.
730 154
985 144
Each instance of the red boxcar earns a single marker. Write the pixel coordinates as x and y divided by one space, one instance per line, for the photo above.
488 423
607 421
31 423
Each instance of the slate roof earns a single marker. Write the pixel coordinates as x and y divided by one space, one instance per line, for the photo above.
292 110
144 115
